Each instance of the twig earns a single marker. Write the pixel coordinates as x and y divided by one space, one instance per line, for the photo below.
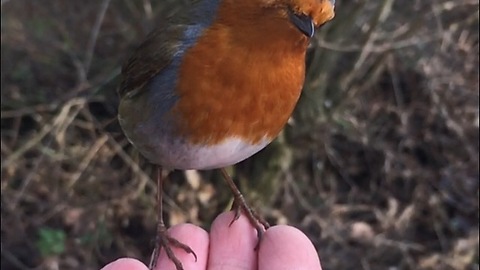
131 163
11 258
94 35
86 160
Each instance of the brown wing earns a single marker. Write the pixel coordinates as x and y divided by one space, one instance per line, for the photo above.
152 57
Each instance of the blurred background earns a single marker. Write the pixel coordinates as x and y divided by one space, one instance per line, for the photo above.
379 165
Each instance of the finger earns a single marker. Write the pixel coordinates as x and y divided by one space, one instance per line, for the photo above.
194 237
125 264
285 247
232 247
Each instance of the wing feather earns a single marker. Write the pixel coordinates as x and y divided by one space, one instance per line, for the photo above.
152 57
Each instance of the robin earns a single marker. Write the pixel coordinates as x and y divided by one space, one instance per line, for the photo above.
214 86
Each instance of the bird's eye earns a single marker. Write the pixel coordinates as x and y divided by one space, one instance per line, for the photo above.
303 22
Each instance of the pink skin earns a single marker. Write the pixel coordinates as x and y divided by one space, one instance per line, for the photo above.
232 247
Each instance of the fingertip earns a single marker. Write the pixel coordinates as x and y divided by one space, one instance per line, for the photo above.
194 237
232 244
226 218
286 247
125 264
225 225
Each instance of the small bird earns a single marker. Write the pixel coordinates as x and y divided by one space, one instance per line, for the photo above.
215 85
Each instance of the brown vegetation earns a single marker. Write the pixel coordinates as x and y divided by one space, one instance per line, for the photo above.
378 166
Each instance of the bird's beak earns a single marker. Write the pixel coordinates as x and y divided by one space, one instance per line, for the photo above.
304 23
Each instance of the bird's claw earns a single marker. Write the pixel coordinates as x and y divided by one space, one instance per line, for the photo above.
167 242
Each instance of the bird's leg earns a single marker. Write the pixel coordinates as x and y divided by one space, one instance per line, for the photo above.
240 204
162 238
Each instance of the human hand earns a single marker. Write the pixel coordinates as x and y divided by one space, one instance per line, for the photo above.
233 247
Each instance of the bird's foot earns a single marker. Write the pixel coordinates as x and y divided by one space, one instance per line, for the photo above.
163 240
259 223
239 205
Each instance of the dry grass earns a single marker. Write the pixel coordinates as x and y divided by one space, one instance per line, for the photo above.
379 165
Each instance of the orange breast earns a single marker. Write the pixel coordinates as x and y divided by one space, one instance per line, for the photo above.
240 82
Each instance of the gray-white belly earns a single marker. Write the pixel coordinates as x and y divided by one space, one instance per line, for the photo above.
179 154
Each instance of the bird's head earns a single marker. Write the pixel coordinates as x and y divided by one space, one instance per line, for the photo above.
306 15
